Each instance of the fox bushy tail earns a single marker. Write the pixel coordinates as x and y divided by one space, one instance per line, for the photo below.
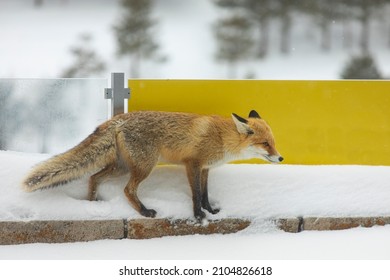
95 152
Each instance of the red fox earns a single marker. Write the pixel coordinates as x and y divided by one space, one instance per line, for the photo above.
135 142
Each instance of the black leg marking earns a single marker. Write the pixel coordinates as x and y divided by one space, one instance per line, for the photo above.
205 194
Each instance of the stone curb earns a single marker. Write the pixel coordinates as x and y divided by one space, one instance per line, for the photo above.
326 223
292 225
59 231
12 232
151 228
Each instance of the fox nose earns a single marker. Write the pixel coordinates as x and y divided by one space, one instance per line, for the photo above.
281 159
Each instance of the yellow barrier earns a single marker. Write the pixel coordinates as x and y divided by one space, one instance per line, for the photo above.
314 122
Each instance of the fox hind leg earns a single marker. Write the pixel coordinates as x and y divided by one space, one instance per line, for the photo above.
137 176
110 170
140 159
204 192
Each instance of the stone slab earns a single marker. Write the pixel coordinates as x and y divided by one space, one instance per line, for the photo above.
19 232
59 231
292 225
152 228
324 223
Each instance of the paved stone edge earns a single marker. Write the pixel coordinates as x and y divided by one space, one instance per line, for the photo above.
54 231
329 223
151 228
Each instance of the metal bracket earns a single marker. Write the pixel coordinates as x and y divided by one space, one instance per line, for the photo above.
117 93
108 93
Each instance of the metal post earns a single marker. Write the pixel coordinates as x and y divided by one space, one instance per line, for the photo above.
117 93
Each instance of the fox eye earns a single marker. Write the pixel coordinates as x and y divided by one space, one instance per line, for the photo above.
265 144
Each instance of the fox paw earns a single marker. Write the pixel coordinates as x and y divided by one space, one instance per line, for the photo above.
210 209
200 215
150 213
213 211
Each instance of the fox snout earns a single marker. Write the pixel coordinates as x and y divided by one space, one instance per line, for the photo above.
274 159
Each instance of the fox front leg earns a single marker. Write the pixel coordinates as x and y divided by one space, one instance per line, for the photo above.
194 172
205 194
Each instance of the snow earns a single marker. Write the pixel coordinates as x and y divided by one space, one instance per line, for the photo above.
40 49
255 191
361 243
258 192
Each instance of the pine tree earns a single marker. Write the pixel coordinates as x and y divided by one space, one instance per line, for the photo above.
324 14
86 61
284 11
261 11
134 33
258 12
234 38
38 3
364 12
361 67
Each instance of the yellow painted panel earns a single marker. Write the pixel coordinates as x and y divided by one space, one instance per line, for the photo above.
314 122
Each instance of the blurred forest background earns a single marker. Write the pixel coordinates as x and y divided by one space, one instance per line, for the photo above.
173 38
167 39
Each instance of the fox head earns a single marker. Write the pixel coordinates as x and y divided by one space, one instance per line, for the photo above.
258 140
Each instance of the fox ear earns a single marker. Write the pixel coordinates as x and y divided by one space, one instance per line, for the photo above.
254 114
241 124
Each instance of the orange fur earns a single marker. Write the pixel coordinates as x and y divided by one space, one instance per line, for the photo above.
135 142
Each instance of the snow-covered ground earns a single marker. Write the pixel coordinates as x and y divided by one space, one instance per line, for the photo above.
35 44
258 192
254 191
